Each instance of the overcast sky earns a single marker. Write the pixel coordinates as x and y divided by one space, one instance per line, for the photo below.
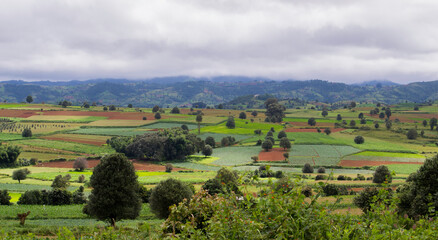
335 40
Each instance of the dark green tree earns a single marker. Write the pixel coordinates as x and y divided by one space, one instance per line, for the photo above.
424 123
382 115
155 109
130 105
327 131
420 194
242 115
115 193
267 144
412 134
175 110
281 134
157 116
339 117
359 140
20 174
352 123
230 122
382 174
274 110
360 116
26 132
432 123
285 143
29 99
167 193
199 120
324 113
210 141
254 113
5 198
311 121
207 151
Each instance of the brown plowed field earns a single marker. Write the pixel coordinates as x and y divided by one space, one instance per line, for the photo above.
275 154
312 130
138 165
358 163
304 124
16 113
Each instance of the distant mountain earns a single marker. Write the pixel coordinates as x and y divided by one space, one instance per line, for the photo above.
379 83
184 90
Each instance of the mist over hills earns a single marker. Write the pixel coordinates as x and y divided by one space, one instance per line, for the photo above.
184 90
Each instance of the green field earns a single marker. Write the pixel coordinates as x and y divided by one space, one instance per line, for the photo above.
68 146
110 131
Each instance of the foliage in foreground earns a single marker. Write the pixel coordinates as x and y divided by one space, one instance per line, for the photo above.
286 215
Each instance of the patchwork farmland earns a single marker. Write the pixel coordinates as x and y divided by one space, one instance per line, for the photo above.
62 135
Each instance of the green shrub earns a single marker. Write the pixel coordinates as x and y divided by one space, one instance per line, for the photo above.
144 193
210 141
213 186
359 140
369 196
307 168
307 191
333 190
320 177
382 174
167 193
5 198
59 197
412 134
168 167
321 170
34 197
283 185
78 196
26 132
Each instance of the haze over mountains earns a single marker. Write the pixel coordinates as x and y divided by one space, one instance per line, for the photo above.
183 90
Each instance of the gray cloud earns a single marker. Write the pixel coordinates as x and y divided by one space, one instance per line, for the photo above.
341 40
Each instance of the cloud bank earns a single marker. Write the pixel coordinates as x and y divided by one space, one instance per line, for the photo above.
339 40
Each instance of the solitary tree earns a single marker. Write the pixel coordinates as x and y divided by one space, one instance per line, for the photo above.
425 123
130 105
359 140
26 132
412 134
360 115
207 150
285 143
167 193
388 124
388 113
281 134
29 99
115 193
157 115
80 164
382 115
242 115
352 104
199 120
230 122
324 113
175 110
311 121
339 117
381 174
327 131
20 174
254 113
352 123
432 123
155 109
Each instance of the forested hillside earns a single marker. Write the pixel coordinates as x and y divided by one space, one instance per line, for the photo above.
181 91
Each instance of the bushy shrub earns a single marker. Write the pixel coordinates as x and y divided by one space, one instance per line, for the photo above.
278 174
281 135
207 150
320 177
5 198
213 186
267 145
167 193
169 167
341 178
333 190
283 185
307 191
59 196
307 168
78 196
26 132
210 141
370 195
321 170
382 174
359 140
34 197
81 178
412 134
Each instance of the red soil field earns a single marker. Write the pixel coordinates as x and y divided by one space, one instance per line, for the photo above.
91 142
16 113
311 130
304 124
358 163
138 165
275 154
